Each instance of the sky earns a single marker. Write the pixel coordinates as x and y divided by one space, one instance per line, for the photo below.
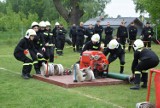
125 8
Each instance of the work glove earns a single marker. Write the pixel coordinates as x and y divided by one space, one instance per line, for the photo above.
141 37
43 49
26 51
39 55
85 36
47 44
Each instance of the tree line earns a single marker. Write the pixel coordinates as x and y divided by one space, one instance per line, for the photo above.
15 14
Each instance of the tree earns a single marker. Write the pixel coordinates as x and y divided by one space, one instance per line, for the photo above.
73 10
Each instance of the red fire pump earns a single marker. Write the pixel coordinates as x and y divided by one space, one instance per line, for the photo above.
96 60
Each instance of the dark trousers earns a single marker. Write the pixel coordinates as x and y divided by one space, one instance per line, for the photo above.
60 44
107 40
74 41
27 63
121 57
130 44
122 41
79 43
147 42
50 53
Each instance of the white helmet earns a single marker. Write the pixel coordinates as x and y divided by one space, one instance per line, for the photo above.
34 24
29 33
113 44
42 24
48 23
57 23
138 44
95 38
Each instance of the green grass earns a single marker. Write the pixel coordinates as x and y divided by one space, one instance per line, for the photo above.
16 92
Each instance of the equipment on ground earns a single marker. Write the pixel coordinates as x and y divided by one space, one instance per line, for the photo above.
97 62
51 69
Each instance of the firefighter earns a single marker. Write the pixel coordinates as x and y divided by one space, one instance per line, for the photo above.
108 32
54 31
73 35
35 27
122 34
80 37
24 50
98 29
132 35
89 32
93 44
49 42
147 34
144 59
116 50
60 39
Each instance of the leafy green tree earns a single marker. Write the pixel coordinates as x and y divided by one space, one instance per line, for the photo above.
73 10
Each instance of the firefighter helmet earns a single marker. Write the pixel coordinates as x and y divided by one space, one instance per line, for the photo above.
95 38
34 24
57 24
29 33
138 44
42 24
48 23
113 44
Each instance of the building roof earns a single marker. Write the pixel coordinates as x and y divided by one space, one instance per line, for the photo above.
114 21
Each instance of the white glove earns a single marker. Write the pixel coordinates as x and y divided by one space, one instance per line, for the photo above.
85 36
39 54
43 49
46 44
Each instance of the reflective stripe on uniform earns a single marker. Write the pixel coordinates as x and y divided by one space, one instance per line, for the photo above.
145 71
40 59
95 47
50 34
122 65
35 62
137 72
50 44
26 64
45 33
59 50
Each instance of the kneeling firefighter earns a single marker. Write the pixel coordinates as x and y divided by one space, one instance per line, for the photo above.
115 50
24 50
148 59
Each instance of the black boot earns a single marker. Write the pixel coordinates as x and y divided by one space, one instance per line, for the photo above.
121 69
144 79
137 81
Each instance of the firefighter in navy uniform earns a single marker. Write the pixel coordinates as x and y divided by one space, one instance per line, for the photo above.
144 59
81 31
36 41
49 42
108 34
93 44
147 34
60 39
122 34
132 35
115 50
23 50
54 31
73 35
89 32
98 29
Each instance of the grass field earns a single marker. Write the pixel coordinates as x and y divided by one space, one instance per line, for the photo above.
16 92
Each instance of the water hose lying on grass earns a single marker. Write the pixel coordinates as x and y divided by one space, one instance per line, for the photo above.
118 76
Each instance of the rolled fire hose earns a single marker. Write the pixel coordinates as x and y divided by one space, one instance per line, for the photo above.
58 69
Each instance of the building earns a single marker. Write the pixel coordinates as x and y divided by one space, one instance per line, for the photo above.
115 22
